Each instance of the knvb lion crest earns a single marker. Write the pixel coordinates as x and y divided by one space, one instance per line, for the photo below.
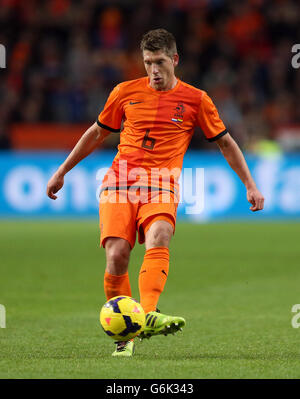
179 111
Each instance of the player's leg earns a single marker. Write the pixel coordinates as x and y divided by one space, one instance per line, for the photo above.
118 231
116 280
156 224
155 268
153 276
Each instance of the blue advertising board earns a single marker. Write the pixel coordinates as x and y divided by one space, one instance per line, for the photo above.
210 190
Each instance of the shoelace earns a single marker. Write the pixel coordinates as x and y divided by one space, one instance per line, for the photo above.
120 346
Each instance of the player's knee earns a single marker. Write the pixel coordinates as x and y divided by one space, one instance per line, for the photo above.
161 237
117 257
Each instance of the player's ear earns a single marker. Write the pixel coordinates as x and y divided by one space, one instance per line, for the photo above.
175 60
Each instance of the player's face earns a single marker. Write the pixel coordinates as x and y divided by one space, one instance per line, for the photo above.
160 69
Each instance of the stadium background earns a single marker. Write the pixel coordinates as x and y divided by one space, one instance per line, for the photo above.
62 59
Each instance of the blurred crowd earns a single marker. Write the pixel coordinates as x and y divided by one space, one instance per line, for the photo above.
64 57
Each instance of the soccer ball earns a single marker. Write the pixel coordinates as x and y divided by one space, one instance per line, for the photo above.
122 318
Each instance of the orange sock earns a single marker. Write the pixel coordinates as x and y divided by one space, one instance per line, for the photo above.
116 285
153 276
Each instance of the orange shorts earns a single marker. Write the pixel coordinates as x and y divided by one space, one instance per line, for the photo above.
123 218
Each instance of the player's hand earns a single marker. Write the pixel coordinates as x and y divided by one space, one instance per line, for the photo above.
54 185
256 199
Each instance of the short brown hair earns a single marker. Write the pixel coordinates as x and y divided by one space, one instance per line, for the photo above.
159 39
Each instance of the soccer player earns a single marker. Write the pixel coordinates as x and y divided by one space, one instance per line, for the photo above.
139 193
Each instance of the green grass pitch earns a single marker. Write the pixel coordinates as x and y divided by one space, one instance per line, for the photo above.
235 284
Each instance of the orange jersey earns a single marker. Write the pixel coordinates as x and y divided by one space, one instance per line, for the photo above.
157 128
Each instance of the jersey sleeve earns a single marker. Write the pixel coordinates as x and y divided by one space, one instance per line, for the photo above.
208 119
111 116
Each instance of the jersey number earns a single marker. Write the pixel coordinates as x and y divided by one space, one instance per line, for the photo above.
148 142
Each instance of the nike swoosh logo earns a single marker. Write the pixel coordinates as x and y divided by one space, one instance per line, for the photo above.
136 102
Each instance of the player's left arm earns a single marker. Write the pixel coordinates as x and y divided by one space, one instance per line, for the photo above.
236 160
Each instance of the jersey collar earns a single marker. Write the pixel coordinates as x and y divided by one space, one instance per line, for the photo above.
160 92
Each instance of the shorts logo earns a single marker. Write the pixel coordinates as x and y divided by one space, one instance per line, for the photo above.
178 114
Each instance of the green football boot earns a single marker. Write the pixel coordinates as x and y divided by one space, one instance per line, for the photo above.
158 323
124 349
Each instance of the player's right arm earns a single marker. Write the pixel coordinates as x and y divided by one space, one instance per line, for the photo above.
108 121
88 142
